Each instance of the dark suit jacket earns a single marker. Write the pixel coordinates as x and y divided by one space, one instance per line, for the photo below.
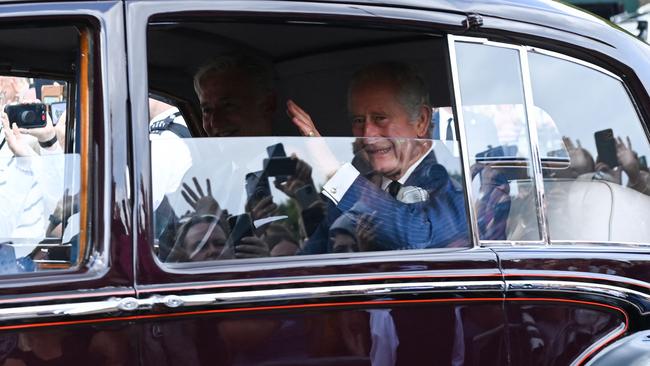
438 222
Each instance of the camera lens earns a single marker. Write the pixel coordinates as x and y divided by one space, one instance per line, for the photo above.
28 117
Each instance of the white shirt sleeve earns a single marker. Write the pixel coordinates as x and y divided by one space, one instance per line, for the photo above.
338 185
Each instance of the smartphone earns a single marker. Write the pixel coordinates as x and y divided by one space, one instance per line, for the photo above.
306 196
606 147
33 115
241 226
276 151
257 186
280 168
278 165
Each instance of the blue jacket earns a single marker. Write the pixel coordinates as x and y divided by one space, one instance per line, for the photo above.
438 222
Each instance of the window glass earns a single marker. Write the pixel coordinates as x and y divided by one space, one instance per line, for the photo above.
39 152
498 145
601 191
368 161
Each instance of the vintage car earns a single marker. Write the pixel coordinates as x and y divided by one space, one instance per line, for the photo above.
398 182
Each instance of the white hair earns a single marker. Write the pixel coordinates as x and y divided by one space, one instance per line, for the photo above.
256 68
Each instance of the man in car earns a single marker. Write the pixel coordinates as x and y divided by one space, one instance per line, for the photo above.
236 95
388 105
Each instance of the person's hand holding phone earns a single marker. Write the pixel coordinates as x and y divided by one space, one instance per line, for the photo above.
300 178
251 247
242 242
259 209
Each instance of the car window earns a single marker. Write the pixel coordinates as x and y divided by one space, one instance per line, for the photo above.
602 192
314 147
494 114
40 150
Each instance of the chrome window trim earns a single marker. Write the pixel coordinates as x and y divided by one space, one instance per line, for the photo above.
462 140
637 299
574 60
532 138
228 298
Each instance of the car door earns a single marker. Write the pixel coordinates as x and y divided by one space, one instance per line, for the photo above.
408 307
572 250
67 268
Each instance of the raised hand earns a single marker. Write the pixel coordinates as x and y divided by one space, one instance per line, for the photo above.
201 203
302 120
628 160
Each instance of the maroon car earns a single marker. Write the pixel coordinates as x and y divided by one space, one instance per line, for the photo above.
322 183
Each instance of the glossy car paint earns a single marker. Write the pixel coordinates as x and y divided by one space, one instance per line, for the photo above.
473 306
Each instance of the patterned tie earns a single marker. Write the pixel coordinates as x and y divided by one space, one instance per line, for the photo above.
394 187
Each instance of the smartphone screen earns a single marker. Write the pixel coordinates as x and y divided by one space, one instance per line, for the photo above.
606 147
241 226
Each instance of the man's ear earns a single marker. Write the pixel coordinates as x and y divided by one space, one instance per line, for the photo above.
423 123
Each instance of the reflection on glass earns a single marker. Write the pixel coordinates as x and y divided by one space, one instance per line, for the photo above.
498 143
39 220
601 191
231 198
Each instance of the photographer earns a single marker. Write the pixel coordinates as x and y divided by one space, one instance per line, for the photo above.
36 178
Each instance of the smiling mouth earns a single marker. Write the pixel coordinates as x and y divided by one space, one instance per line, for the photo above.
378 150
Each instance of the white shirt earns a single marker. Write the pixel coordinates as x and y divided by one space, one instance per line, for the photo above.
336 187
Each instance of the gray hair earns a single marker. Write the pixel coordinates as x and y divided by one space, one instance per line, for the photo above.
413 92
257 68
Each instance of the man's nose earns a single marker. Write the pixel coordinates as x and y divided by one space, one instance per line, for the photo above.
370 129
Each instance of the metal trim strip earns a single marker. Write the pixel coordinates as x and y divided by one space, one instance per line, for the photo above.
458 109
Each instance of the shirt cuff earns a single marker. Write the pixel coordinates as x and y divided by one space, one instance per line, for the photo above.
338 185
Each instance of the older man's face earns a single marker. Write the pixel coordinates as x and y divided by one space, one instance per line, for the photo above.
387 128
231 105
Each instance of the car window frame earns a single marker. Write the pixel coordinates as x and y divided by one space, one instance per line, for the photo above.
137 25
524 51
94 263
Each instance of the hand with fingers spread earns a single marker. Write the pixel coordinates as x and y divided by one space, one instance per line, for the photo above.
302 120
201 203
366 232
260 209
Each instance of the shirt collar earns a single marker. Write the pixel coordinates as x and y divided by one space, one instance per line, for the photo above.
385 181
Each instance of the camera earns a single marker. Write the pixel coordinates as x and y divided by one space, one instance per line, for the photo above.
278 165
257 186
27 115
